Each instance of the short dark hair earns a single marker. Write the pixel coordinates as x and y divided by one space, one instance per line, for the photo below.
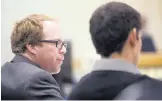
110 25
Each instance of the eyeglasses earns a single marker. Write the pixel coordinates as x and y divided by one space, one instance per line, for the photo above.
59 43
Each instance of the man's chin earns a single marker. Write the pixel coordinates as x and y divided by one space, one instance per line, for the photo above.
56 71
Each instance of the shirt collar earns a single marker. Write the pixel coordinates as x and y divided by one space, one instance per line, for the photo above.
115 65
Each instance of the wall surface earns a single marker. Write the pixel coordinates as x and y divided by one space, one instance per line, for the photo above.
74 16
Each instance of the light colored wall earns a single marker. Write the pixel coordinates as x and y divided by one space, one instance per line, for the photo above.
74 16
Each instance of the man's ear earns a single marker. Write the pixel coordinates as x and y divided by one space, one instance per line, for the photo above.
133 37
31 48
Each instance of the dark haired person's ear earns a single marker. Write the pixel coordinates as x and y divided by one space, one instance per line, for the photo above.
132 38
31 48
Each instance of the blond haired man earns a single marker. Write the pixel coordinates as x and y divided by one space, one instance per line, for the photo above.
39 52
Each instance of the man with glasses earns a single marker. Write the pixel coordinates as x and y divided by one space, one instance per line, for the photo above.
39 52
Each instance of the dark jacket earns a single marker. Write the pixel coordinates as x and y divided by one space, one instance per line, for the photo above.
109 78
21 79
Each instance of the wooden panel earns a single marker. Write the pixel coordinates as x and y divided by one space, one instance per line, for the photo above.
150 60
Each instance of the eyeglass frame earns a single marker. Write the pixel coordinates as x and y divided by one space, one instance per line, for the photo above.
55 42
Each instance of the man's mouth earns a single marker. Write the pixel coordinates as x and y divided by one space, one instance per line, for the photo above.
61 59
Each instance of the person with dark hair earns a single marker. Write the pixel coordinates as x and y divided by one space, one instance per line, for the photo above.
115 30
39 52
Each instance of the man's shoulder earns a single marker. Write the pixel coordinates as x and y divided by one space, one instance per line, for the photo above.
111 74
146 89
152 83
24 70
29 81
22 67
22 73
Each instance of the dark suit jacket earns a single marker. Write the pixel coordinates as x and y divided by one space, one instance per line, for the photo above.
21 79
147 89
106 85
102 85
109 78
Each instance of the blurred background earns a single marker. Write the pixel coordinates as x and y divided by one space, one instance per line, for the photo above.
74 16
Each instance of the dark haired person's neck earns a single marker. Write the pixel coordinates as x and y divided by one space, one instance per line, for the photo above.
126 57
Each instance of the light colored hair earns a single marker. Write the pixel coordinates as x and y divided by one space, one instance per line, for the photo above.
27 31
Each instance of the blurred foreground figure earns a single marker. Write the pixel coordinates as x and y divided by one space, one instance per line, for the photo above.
116 34
39 52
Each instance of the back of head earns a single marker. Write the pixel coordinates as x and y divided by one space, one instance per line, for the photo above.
110 25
